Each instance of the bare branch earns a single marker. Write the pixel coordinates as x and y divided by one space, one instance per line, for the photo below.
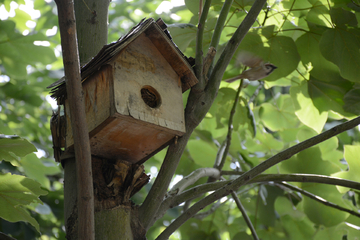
252 98
244 214
85 198
192 178
246 177
299 177
230 126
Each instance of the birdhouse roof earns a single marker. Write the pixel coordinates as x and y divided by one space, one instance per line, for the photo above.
159 36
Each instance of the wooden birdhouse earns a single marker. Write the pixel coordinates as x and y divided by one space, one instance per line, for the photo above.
133 94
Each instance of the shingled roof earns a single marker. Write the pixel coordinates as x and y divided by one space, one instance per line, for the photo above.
160 37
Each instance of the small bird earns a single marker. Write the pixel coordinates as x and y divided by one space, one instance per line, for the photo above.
258 68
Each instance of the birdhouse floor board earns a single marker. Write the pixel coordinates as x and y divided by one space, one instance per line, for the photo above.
129 139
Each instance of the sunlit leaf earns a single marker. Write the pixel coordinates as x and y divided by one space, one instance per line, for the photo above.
13 147
305 109
279 116
15 193
351 157
202 153
37 170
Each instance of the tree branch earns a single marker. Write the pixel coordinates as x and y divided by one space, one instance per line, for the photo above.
230 126
199 46
244 214
299 177
220 23
192 178
319 199
85 198
191 193
246 177
227 54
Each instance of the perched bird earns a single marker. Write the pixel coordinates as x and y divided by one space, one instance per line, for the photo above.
258 68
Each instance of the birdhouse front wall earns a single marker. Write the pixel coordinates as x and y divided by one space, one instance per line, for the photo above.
141 65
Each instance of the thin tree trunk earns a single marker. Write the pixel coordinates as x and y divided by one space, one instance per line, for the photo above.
91 27
115 223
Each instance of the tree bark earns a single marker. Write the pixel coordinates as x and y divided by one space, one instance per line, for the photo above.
91 27
71 61
112 223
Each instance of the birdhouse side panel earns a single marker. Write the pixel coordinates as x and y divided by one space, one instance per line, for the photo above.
147 88
98 101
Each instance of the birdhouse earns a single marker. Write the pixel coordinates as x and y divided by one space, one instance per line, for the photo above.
133 94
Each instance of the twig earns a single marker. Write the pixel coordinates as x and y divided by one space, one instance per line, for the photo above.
230 48
319 199
263 178
355 3
213 208
85 198
230 127
192 178
256 93
246 177
244 214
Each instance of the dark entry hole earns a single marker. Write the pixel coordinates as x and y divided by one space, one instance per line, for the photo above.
150 96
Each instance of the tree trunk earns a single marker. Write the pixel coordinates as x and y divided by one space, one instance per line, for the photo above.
113 220
114 217
91 26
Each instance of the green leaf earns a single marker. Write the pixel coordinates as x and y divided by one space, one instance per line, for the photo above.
308 161
298 229
343 49
11 148
203 153
279 116
22 92
329 95
351 155
192 6
308 47
283 54
244 117
352 101
39 170
264 142
284 207
18 51
341 17
332 233
183 35
305 109
319 213
15 193
319 15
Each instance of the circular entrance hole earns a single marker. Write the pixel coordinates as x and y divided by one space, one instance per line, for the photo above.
150 96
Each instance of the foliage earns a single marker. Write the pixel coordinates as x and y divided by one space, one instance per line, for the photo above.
315 45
